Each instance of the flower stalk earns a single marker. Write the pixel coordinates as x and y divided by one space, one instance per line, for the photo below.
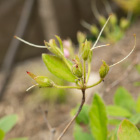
73 71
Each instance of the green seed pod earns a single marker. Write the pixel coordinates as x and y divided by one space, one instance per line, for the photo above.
86 50
81 37
52 47
76 71
94 30
103 71
41 80
102 20
124 23
77 67
113 19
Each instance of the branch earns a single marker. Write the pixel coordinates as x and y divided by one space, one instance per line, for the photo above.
51 129
79 110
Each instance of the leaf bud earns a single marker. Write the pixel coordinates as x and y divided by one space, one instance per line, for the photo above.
76 71
77 67
102 20
94 30
113 19
103 71
81 37
52 47
86 49
124 23
41 80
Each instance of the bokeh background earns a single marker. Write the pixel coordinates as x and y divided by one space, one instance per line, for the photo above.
39 20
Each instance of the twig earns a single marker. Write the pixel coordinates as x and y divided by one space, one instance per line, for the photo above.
79 110
51 129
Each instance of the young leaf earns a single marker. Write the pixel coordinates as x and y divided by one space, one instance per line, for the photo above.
117 111
98 118
6 123
60 42
80 135
124 99
135 119
128 131
2 134
57 67
83 116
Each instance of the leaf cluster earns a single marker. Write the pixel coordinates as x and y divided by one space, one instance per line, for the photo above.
93 122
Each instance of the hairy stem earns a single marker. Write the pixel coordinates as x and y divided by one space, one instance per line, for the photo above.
64 87
79 110
89 70
84 72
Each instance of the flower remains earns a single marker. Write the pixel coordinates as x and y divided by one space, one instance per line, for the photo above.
71 70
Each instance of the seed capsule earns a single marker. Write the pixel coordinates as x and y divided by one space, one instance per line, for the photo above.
41 80
86 50
124 23
103 71
52 47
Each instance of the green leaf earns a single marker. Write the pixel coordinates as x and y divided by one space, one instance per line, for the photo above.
135 119
98 118
60 42
19 138
80 135
117 111
57 67
124 99
128 131
2 134
6 123
138 104
83 116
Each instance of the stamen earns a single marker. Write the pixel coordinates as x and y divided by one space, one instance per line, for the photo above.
31 87
100 33
101 46
126 56
33 45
